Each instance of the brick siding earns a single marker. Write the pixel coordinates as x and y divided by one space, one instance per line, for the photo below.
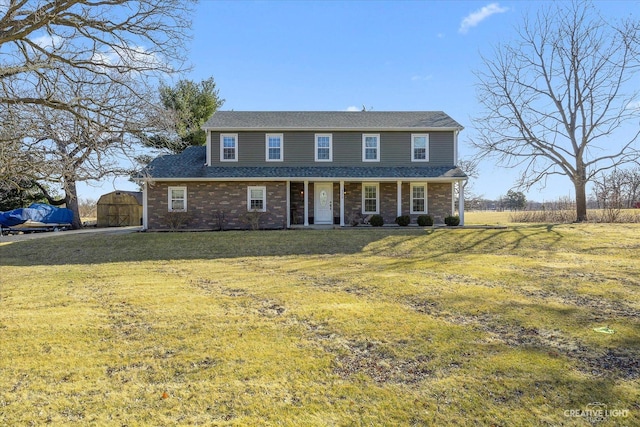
208 201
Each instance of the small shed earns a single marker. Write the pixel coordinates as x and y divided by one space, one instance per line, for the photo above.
120 209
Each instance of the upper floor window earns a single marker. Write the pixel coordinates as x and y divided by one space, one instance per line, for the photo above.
370 148
420 147
177 199
324 148
274 148
257 199
370 198
229 147
418 198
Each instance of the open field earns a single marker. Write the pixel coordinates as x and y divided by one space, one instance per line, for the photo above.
399 326
559 216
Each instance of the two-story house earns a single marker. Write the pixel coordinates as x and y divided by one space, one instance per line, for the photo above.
306 167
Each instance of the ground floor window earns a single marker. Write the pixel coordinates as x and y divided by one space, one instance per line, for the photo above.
257 199
370 199
177 199
418 198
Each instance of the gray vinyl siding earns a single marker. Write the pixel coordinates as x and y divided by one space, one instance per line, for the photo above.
440 148
299 149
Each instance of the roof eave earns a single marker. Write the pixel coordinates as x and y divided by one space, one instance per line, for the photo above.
306 178
332 129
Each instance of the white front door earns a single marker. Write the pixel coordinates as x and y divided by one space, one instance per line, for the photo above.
323 203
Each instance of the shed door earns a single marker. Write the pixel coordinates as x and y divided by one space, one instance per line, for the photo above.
123 216
112 217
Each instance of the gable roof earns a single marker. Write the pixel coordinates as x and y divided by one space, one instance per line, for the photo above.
331 120
190 165
136 194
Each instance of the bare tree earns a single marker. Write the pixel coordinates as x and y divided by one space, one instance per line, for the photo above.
17 162
110 38
89 143
470 166
558 99
620 188
75 77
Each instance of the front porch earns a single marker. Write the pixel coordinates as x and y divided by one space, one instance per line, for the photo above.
348 203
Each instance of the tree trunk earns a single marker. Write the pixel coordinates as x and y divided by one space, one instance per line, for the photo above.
581 200
71 200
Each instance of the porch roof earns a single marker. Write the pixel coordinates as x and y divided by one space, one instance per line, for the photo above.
190 164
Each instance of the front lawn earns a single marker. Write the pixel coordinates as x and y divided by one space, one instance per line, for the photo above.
400 326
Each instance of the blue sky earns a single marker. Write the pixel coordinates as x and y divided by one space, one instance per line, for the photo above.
340 55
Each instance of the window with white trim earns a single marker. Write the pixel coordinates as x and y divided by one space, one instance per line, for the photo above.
229 147
274 147
370 148
177 199
420 147
257 199
418 198
324 148
370 198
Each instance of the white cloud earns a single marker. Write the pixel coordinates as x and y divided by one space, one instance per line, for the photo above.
353 108
130 57
47 41
635 105
474 18
440 35
418 78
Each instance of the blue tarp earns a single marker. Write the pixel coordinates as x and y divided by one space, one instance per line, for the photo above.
39 212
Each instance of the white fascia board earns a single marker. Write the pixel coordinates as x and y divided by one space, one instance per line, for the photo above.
332 129
300 178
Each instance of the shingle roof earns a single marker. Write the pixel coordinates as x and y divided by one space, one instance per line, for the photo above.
191 164
330 120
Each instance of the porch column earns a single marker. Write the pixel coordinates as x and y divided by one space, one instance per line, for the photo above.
399 198
288 204
208 163
341 203
306 203
453 198
145 206
461 185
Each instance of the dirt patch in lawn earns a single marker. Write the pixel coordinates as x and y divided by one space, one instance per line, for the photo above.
373 359
616 363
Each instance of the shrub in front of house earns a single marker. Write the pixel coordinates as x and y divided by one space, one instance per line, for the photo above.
425 220
403 220
176 220
452 220
376 220
253 218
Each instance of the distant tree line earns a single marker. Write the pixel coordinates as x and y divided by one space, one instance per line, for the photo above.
618 189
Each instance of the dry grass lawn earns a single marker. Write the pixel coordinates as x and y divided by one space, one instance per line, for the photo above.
323 328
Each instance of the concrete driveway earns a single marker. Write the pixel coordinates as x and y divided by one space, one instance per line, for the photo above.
43 234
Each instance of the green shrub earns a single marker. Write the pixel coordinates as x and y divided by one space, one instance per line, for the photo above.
403 220
425 220
376 220
452 220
